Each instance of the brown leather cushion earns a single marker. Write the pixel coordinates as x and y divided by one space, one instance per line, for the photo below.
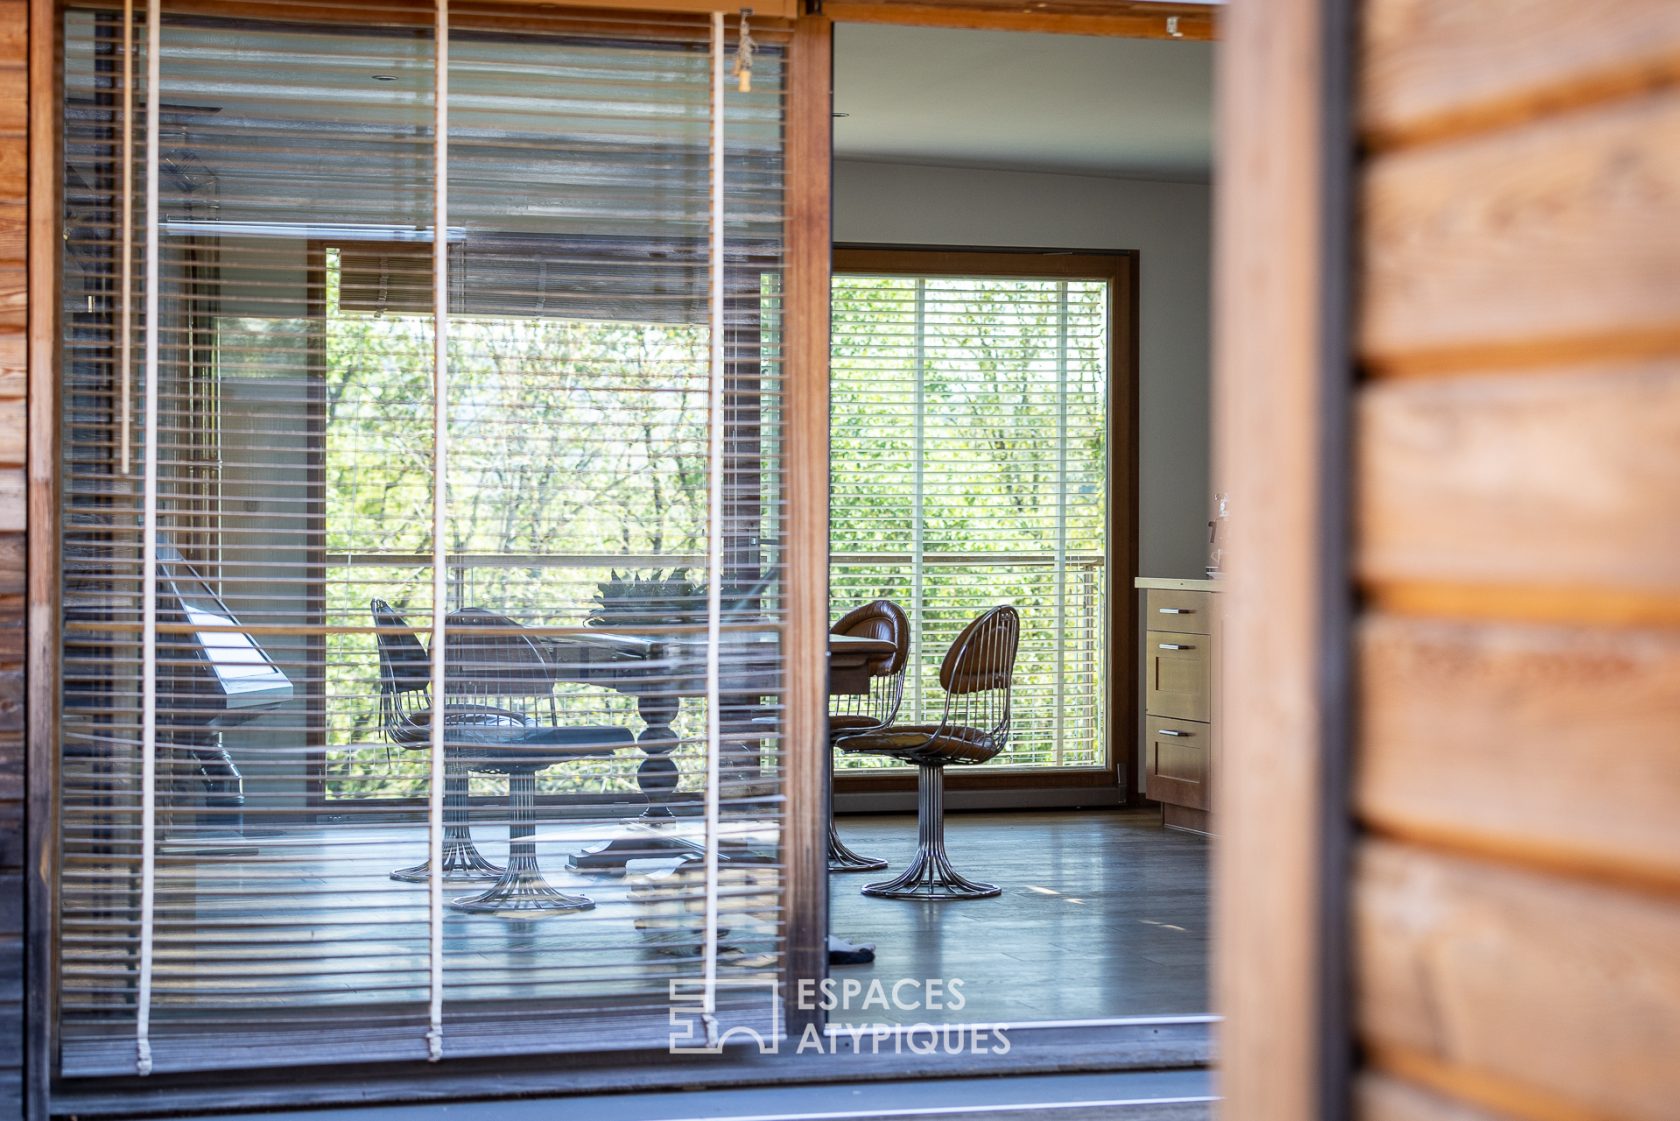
882 619
983 656
919 743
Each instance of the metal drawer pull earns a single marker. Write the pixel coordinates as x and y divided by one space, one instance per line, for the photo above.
1170 732
1176 610
1173 646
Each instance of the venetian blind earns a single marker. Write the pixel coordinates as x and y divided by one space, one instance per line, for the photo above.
970 469
421 519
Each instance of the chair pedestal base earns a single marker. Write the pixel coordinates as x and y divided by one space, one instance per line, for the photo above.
462 862
522 892
843 859
930 875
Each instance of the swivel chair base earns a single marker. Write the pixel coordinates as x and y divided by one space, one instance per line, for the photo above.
462 862
843 859
930 875
522 892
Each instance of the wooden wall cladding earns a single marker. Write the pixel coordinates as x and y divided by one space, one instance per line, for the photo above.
1517 446
1537 995
1556 745
1535 242
1433 69
14 190
1545 480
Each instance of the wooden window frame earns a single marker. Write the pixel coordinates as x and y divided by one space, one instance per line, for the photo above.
1114 782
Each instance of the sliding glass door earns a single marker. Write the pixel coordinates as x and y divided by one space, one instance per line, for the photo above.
423 621
971 467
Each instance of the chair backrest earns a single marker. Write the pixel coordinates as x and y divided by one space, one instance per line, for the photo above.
886 620
882 619
404 666
978 673
983 656
486 656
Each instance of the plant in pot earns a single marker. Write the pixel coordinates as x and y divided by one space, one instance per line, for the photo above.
629 601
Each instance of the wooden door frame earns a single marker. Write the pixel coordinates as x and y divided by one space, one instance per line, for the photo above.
1113 782
1283 373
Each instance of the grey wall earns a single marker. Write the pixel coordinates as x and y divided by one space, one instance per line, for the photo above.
1166 223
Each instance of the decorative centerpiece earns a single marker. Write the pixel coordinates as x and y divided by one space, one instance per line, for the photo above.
629 601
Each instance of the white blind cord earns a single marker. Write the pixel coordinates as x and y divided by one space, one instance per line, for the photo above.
125 343
440 476
148 548
714 542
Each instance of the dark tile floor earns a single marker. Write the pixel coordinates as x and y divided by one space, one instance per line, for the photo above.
1103 914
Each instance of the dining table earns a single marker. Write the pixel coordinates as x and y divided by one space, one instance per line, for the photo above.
662 671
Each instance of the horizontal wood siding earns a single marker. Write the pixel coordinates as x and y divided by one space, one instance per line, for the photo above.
14 193
1517 889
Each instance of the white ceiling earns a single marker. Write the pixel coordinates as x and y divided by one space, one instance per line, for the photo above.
1069 103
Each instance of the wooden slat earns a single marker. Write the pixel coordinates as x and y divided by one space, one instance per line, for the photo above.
14 348
1547 243
12 501
1278 360
14 296
14 168
1379 1097
1561 481
1555 746
13 431
13 559
1430 69
14 30
1512 988
1061 17
13 229
14 102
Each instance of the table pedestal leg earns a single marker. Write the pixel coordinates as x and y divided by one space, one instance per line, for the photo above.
652 835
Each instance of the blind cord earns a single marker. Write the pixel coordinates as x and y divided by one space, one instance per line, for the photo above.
714 543
148 548
440 478
126 343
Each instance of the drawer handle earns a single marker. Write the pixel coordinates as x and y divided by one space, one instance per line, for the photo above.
1173 646
1176 610
1171 732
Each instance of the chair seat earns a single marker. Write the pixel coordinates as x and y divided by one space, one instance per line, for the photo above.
850 722
924 743
414 729
534 746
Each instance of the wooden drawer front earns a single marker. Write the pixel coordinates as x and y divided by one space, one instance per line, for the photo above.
1189 612
1180 678
1178 761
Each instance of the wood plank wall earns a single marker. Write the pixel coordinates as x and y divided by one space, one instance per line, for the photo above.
1517 886
14 164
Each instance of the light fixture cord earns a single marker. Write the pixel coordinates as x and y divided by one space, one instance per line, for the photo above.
744 48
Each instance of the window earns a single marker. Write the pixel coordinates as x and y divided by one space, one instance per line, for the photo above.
337 787
971 450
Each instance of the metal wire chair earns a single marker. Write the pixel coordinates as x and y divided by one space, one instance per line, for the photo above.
977 676
405 715
497 684
868 712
